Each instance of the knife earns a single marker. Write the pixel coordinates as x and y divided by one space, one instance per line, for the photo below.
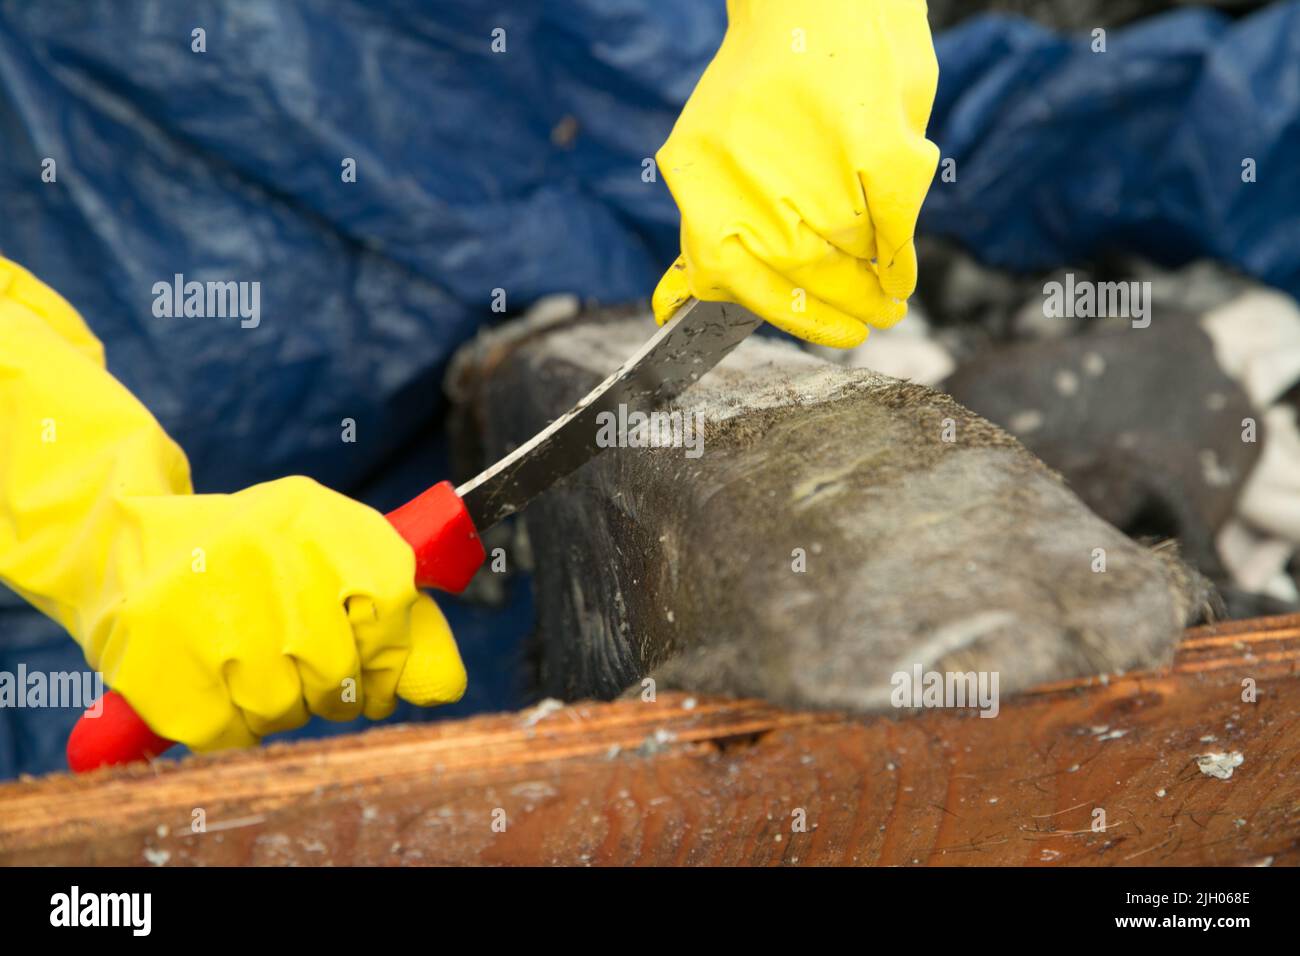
442 524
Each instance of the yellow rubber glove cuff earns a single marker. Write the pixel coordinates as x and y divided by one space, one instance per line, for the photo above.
221 618
799 165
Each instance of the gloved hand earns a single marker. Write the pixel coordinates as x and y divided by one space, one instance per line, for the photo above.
220 618
799 165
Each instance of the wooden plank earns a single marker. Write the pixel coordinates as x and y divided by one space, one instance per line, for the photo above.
725 782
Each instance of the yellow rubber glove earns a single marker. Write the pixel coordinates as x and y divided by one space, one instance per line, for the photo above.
799 165
221 618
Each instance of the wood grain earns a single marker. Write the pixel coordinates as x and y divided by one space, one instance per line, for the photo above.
681 781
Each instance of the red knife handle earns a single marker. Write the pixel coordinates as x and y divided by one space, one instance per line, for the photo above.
448 552
442 534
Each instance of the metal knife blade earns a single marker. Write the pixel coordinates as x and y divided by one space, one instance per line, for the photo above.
694 340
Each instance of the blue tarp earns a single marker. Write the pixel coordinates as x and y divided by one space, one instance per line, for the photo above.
521 170
1063 153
